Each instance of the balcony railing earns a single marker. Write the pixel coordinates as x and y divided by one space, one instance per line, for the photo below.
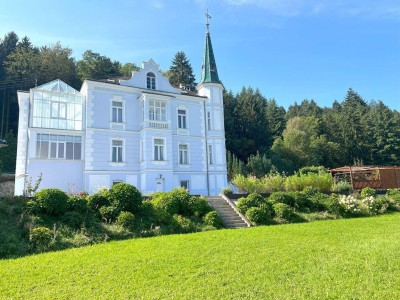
155 124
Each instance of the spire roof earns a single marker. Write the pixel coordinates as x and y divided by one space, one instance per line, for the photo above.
209 71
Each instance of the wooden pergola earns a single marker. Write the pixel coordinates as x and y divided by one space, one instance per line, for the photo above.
376 177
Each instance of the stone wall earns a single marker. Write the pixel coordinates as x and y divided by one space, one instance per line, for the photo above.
7 185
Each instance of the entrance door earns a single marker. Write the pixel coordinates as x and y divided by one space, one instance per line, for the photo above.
160 184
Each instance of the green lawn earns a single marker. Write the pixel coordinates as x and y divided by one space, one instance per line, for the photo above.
349 258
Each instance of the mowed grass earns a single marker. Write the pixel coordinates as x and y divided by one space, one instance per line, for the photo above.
341 259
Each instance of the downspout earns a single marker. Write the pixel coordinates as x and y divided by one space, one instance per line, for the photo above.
205 135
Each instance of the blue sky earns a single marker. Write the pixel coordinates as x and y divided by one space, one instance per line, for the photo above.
290 49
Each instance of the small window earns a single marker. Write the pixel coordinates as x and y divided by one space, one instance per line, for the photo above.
116 182
210 155
185 184
209 120
158 149
182 119
116 151
183 154
117 112
151 81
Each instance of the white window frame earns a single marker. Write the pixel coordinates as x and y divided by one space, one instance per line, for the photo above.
182 160
119 117
160 153
121 156
182 118
210 154
59 141
151 81
208 120
187 187
157 111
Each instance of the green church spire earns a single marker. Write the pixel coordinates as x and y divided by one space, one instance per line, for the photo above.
209 71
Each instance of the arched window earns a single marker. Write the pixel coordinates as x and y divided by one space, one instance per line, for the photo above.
151 81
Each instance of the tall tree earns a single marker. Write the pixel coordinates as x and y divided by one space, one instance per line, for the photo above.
96 66
275 116
7 45
181 71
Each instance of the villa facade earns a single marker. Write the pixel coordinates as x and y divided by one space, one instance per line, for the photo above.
141 131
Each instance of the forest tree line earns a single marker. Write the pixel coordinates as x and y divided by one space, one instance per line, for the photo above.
261 135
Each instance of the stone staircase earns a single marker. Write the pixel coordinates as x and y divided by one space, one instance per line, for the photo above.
231 218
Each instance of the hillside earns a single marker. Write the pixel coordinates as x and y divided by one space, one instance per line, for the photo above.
348 258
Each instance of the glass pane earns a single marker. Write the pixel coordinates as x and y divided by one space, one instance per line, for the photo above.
63 110
38 149
69 150
117 143
78 112
77 150
46 109
114 154
119 115
61 138
61 150
44 150
45 122
54 109
119 154
78 125
117 104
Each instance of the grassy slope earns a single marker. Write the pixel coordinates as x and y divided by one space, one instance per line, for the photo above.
352 258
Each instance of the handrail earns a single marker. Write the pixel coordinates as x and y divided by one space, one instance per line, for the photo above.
235 209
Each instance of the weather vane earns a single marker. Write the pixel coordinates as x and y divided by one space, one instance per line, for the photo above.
208 17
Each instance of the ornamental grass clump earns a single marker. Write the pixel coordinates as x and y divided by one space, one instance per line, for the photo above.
273 183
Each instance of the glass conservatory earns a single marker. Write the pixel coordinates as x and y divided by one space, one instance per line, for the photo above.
57 105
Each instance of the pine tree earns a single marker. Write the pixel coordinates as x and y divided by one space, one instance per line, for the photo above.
181 71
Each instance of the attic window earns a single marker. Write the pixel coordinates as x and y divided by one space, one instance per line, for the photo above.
151 81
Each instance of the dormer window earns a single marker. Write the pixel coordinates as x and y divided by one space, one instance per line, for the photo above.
151 81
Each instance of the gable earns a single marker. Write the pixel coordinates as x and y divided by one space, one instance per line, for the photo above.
139 78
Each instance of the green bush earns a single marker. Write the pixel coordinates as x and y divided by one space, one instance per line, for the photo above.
213 219
108 213
127 220
323 181
273 183
78 203
342 187
185 225
125 197
312 170
282 197
331 204
258 216
249 184
99 199
226 191
283 211
174 202
73 219
252 200
40 238
198 206
52 201
367 192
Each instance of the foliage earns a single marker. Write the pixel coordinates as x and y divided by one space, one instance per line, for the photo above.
368 192
198 206
181 71
40 238
99 199
30 188
282 197
108 213
52 201
78 203
125 197
227 190
298 182
212 218
283 211
274 182
126 219
259 216
252 200
174 202
74 219
342 187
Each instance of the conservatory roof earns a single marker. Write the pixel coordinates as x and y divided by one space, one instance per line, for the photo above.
57 86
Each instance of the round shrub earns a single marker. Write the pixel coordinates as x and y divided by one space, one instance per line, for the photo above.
185 225
198 206
283 211
125 197
213 219
78 203
126 219
99 199
52 201
282 197
258 216
73 219
368 192
252 200
108 213
163 200
40 238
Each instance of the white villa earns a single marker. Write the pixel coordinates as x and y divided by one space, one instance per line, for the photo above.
142 131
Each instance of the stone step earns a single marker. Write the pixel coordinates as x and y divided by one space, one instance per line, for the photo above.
230 218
